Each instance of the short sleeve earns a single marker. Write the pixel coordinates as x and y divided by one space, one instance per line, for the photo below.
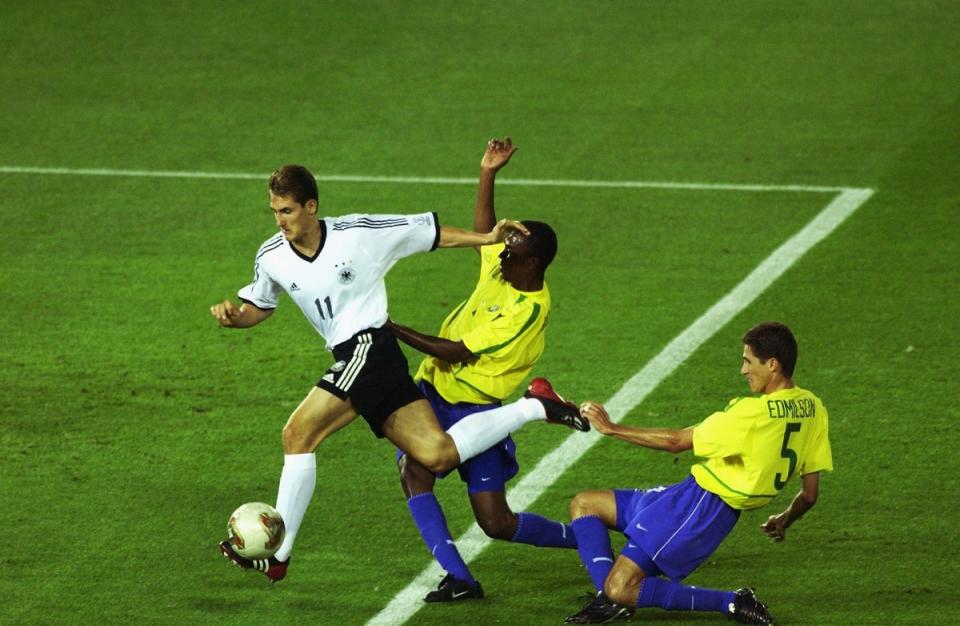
393 237
263 292
820 457
723 433
505 330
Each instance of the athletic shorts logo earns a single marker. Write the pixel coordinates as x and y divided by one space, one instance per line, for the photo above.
338 366
346 275
494 308
421 220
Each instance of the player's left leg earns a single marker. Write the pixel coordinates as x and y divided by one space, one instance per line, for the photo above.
414 428
498 521
629 585
486 477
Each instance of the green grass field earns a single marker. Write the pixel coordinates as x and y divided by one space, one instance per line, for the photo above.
132 425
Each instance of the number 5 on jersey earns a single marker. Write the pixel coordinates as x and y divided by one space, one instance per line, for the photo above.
787 453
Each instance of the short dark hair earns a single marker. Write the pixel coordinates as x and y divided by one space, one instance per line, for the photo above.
541 242
773 339
295 181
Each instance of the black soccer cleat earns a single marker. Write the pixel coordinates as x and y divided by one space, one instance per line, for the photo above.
600 610
270 567
748 610
559 411
452 589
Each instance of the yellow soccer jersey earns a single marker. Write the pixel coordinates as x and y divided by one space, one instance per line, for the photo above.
755 445
502 326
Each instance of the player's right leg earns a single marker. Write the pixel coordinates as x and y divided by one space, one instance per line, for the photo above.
319 415
591 514
459 583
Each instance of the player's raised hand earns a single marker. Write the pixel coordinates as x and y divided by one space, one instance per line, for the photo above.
775 527
225 312
498 153
597 416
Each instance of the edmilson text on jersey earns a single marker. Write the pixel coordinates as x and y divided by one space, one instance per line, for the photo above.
803 407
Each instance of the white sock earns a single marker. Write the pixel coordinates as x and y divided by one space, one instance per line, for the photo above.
478 432
297 481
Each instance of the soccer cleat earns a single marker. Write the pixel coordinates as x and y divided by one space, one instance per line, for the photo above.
451 589
559 411
270 567
600 610
748 610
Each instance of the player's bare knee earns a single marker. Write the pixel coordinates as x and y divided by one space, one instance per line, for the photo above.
440 457
618 589
415 478
580 506
298 438
290 437
497 526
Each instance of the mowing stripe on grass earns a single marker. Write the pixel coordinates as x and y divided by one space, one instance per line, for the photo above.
420 180
633 392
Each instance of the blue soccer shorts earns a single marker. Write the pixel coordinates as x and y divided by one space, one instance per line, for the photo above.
488 471
671 530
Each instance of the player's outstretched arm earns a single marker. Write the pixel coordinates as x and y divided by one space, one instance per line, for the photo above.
666 439
229 315
497 155
443 349
776 525
453 237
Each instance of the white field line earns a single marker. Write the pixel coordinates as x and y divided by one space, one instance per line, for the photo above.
420 180
633 392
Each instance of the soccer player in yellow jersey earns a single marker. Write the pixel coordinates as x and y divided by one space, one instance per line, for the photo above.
750 450
486 348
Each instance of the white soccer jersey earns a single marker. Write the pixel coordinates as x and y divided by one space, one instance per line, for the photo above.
341 289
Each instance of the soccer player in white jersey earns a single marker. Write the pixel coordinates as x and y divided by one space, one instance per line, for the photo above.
333 269
750 450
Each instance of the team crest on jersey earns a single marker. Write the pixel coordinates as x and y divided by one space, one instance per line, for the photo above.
338 366
346 275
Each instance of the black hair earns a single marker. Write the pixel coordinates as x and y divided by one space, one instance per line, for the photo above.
541 242
773 339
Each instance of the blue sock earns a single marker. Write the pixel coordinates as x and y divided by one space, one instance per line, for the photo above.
676 597
432 524
593 544
543 532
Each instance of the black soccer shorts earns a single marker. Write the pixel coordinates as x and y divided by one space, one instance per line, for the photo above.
371 370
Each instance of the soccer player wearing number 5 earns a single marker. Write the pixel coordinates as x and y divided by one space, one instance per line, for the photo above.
333 269
750 450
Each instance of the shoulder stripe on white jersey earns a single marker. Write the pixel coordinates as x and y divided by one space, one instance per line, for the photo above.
357 362
266 249
272 240
366 222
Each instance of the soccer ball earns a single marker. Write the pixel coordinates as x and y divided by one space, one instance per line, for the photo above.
255 530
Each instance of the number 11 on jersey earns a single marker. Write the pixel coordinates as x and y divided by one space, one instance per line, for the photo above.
320 307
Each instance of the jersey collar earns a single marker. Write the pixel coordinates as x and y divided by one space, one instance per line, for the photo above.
323 242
